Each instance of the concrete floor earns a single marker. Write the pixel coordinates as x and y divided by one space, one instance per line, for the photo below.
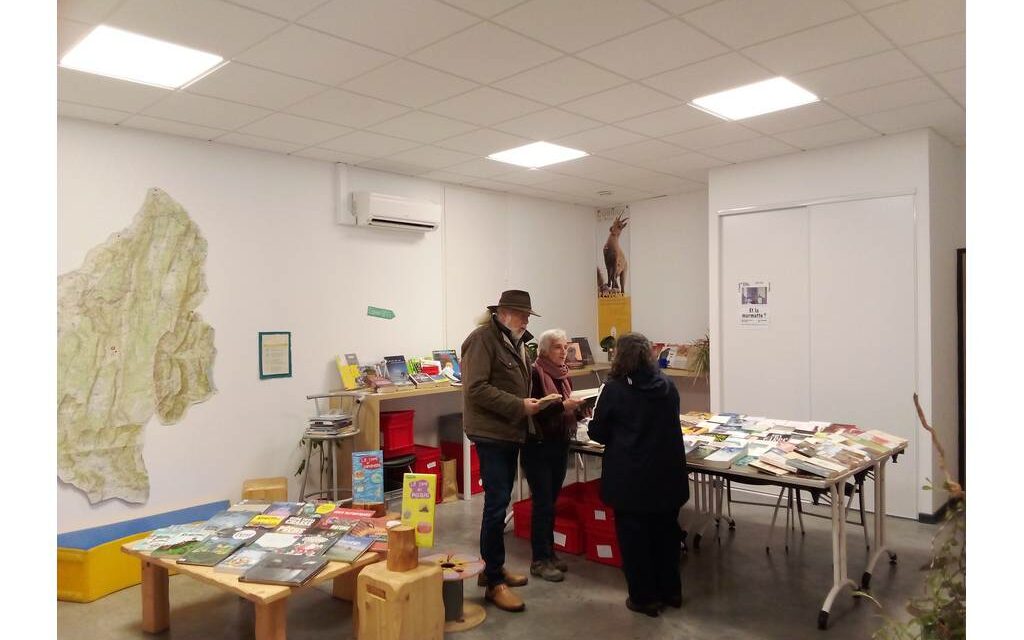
732 590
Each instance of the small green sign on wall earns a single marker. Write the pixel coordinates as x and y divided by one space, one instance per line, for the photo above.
275 354
377 312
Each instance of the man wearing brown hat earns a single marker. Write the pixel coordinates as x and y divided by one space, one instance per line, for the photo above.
496 405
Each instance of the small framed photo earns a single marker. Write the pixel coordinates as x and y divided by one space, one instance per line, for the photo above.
275 354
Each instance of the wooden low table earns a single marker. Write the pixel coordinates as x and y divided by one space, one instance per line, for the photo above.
271 601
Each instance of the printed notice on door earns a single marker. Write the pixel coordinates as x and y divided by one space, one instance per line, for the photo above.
754 303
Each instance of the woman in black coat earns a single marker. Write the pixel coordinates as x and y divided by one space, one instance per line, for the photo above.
644 477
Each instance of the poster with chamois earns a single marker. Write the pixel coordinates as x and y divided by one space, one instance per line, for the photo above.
614 316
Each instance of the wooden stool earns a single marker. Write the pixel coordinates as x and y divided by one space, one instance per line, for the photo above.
399 605
457 567
269 489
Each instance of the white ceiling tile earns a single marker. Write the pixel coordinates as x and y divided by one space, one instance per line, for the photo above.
91 11
330 155
422 127
396 26
347 108
597 139
740 23
826 135
574 185
890 96
847 77
549 83
955 82
918 20
571 25
100 91
684 165
242 83
867 5
492 185
945 116
485 53
283 126
432 157
447 176
256 142
483 142
371 145
525 176
818 47
660 47
709 76
70 33
289 10
941 54
208 112
86 112
547 125
753 149
639 151
394 166
480 168
304 53
620 103
681 6
593 167
485 8
410 84
485 106
172 127
713 136
207 25
668 121
795 118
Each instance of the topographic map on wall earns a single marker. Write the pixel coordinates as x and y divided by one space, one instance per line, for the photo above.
130 343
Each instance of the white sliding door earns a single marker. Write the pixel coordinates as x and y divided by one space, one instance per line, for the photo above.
765 369
863 328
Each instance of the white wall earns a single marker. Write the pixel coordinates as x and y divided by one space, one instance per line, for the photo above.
669 265
882 166
278 261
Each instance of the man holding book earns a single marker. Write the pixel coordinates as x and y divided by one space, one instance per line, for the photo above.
496 408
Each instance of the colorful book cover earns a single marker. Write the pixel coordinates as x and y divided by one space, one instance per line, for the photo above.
264 521
284 509
585 352
240 561
348 548
418 492
180 545
284 569
301 521
376 528
342 519
314 544
447 358
349 372
210 552
275 542
368 477
252 506
226 522
397 370
288 528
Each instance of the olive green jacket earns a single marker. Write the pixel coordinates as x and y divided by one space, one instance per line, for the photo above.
495 379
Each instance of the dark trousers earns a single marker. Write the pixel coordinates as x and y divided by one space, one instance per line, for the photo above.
649 543
544 464
498 464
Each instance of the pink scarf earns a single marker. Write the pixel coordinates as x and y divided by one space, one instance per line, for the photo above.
554 378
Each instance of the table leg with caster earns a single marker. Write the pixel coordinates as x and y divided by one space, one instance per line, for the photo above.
840 579
880 541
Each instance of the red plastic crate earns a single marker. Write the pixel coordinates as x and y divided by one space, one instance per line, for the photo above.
597 517
396 429
451 450
428 460
568 535
602 547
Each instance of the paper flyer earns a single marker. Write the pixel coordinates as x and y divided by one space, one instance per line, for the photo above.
368 477
418 491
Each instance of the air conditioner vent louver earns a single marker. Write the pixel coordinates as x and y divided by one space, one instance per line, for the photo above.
395 212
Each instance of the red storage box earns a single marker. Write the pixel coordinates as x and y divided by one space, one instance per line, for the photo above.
396 428
454 450
597 517
602 547
568 535
428 460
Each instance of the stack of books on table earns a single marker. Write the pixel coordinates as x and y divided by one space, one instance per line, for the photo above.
329 424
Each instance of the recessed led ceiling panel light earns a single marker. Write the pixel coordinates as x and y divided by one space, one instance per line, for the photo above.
537 154
755 99
107 51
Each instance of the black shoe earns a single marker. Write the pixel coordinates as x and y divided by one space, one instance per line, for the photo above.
649 609
676 602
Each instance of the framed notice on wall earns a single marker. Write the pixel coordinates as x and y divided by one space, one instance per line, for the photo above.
275 354
754 303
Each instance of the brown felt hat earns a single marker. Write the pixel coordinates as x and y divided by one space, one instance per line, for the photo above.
515 299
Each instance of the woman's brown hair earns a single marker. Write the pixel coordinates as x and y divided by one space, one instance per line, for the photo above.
632 354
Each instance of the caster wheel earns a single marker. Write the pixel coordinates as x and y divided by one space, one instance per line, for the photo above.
732 526
865 581
823 620
696 541
892 559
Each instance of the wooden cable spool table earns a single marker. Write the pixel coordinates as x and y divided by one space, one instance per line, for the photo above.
459 615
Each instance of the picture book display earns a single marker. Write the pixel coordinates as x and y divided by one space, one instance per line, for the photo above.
585 353
368 477
240 561
573 356
210 551
449 362
314 544
284 569
348 369
398 371
342 519
348 548
376 528
418 493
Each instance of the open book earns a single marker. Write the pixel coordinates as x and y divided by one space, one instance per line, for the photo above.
549 399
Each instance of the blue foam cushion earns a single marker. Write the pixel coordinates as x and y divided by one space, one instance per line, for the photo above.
89 538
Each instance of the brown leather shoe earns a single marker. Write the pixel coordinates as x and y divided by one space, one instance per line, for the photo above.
511 579
504 598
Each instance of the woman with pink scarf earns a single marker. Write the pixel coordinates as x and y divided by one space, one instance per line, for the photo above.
546 450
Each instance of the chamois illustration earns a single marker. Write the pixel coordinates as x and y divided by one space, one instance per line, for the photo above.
615 257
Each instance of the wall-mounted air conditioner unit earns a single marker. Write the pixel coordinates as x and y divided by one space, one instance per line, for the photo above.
394 212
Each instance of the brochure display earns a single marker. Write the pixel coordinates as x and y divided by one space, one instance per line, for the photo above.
418 500
368 477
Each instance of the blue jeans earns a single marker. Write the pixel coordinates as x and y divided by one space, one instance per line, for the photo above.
498 464
544 464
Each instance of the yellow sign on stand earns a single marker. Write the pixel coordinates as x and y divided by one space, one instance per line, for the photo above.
614 316
418 499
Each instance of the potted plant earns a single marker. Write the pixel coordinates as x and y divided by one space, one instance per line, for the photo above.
698 355
608 346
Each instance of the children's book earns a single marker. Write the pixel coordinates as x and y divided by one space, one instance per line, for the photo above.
275 542
301 521
585 353
348 369
264 521
418 493
240 561
284 509
285 569
252 506
573 356
288 528
210 551
342 519
368 477
398 371
227 522
449 360
376 528
181 544
348 547
314 544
